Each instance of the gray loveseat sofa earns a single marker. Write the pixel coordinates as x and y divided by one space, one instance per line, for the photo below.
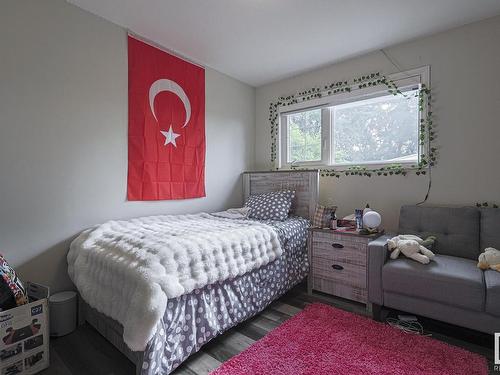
450 288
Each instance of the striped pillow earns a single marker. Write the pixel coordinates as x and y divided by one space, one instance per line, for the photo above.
322 216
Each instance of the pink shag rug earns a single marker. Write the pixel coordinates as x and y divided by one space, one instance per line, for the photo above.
323 340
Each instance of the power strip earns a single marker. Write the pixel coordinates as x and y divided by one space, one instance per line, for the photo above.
408 318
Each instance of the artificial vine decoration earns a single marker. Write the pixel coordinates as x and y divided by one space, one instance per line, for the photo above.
427 133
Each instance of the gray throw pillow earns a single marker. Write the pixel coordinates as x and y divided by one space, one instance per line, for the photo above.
270 206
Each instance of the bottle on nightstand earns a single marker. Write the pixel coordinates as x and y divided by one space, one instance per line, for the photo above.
333 221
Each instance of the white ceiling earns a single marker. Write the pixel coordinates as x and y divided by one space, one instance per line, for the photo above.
260 41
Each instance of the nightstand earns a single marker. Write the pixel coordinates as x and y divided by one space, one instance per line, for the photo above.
338 263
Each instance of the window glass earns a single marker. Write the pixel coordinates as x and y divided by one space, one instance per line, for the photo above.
304 136
383 129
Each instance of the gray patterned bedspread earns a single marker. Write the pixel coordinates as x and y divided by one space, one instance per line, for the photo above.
190 321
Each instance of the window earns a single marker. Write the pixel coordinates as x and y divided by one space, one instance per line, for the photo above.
378 130
304 136
361 127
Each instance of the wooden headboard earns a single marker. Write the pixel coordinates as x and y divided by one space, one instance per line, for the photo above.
305 183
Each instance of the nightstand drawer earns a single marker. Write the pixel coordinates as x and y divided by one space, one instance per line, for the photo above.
340 252
332 236
340 290
344 273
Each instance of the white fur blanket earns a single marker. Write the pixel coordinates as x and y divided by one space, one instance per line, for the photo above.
129 269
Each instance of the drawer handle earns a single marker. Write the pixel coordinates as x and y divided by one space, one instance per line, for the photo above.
337 267
337 245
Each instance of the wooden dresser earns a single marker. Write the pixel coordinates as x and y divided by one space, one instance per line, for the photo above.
338 263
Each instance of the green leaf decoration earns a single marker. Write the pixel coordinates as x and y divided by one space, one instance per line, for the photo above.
427 135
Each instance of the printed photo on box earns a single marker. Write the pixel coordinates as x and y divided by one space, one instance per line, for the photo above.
15 335
10 352
31 361
34 342
15 368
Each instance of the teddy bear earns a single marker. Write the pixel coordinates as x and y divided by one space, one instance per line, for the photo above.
412 247
490 258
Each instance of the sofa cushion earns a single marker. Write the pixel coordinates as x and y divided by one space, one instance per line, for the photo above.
456 228
451 280
492 280
490 222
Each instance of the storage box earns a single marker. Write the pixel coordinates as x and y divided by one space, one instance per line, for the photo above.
24 334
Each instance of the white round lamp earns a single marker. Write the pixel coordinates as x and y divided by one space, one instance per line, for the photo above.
372 220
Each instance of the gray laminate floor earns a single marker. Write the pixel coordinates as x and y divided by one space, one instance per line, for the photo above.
85 352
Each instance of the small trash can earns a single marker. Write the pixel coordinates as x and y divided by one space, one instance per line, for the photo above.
63 307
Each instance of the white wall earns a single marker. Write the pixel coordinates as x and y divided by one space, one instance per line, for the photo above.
63 134
465 71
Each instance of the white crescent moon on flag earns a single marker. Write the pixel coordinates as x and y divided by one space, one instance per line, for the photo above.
170 86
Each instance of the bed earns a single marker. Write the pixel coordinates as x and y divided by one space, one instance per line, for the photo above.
191 320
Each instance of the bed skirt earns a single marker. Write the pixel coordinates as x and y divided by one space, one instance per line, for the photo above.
110 329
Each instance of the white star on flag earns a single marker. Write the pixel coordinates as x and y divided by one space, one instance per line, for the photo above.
170 136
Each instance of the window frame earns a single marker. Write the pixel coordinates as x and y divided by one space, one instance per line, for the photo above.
406 81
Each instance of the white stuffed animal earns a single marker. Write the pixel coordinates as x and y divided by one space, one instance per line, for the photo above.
490 258
412 247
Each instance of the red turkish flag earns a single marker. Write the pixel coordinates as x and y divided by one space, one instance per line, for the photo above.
166 125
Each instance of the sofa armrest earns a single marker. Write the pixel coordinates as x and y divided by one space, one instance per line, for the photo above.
377 256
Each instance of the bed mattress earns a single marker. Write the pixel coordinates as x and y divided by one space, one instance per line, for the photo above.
191 320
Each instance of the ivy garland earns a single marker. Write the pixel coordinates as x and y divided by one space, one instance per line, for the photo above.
427 134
